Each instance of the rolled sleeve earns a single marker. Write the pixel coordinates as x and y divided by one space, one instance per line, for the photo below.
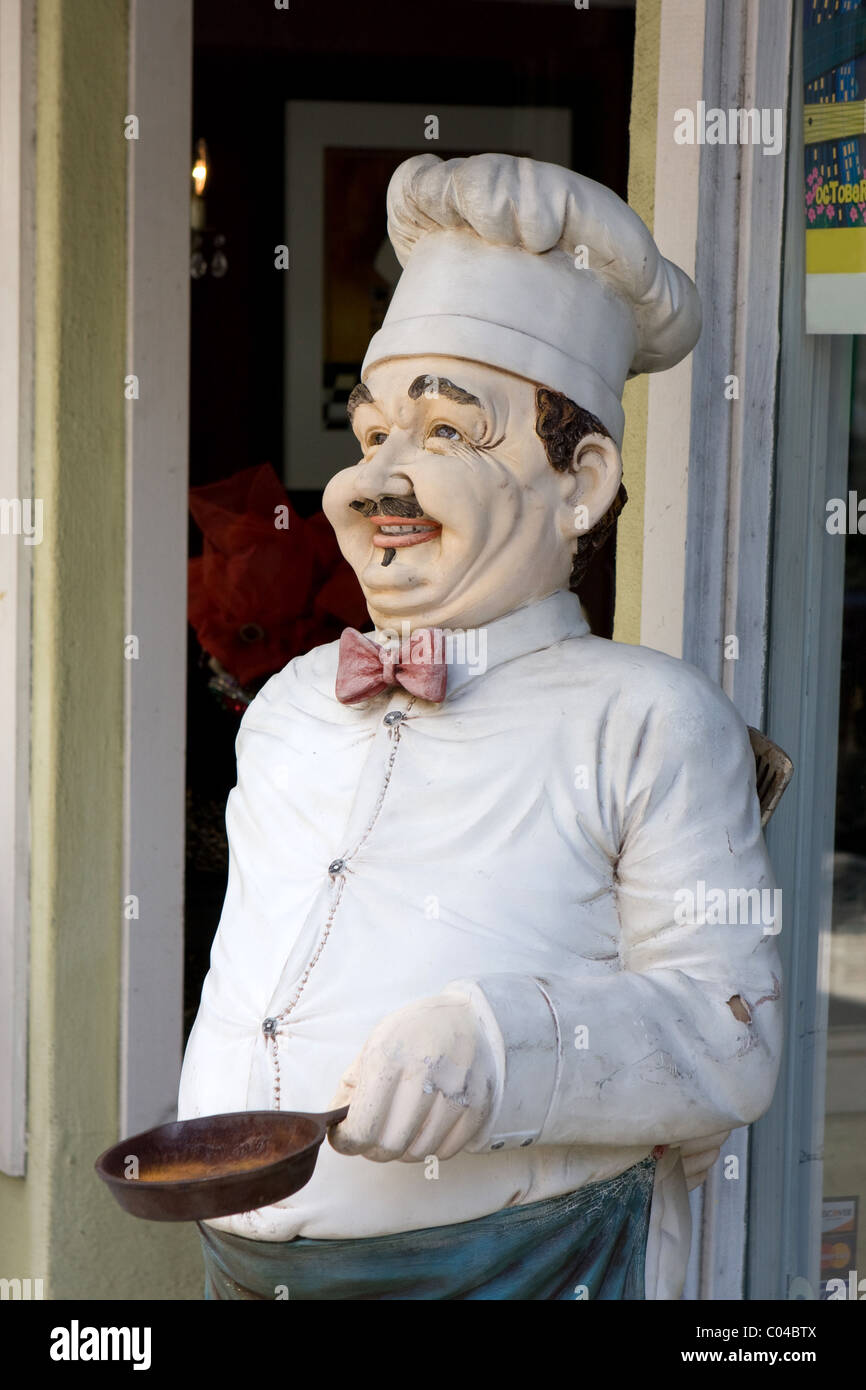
521 1026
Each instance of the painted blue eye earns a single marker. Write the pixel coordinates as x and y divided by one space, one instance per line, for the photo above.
444 432
375 438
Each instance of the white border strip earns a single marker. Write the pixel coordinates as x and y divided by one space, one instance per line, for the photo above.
675 230
160 87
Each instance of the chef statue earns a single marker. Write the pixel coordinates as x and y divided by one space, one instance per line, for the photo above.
460 843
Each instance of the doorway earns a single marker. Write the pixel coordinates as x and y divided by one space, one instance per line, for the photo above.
302 124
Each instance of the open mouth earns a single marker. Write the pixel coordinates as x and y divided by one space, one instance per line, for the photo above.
395 532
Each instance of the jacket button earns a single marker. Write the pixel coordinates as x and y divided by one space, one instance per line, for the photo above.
269 1027
336 865
394 717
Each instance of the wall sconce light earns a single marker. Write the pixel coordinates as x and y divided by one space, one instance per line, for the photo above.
199 169
207 253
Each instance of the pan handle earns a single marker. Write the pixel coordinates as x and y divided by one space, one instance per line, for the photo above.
333 1117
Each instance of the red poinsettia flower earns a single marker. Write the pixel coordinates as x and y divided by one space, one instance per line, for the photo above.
268 585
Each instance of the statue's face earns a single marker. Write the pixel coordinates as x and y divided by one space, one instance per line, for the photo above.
475 521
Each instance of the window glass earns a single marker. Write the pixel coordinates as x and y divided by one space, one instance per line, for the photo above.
843 1239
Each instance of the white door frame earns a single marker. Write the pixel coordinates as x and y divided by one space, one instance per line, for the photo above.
157 432
747 63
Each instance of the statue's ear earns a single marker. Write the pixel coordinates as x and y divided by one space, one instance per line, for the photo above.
595 475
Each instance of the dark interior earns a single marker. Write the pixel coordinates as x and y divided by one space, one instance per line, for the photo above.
250 59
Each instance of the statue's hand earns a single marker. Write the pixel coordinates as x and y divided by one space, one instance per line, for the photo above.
699 1155
423 1084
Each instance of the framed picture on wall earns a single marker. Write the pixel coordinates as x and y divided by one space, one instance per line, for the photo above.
342 269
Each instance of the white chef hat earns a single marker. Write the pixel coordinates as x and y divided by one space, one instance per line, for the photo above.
489 249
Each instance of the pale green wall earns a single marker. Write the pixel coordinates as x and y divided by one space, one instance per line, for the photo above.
59 1223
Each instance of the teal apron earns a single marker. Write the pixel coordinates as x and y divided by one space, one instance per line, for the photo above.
587 1244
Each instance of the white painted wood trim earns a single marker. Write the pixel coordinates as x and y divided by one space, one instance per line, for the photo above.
675 229
747 63
160 93
747 50
17 239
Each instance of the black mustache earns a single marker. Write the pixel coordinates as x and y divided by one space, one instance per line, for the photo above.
388 506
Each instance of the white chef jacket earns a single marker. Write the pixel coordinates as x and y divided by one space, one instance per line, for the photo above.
521 845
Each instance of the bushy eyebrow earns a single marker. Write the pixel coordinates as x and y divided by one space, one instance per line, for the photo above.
359 395
434 386
431 386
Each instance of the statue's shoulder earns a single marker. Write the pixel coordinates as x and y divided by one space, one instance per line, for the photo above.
304 687
643 683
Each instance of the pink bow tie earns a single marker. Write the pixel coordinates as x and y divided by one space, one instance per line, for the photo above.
366 669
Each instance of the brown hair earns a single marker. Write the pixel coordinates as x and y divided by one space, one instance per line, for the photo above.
560 425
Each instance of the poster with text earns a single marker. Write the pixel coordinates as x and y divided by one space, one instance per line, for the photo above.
834 135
